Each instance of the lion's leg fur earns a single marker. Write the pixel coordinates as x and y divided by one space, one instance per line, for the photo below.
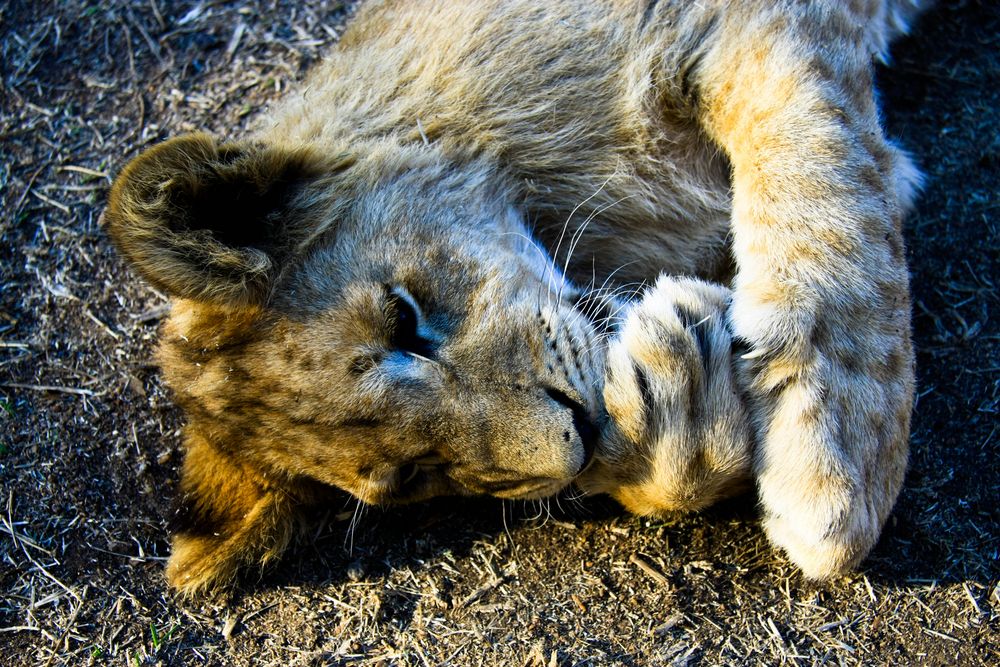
821 294
227 518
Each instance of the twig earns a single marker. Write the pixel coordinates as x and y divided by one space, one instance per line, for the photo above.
972 598
942 635
49 387
85 170
649 570
871 591
41 568
51 202
21 628
835 624
234 41
27 189
70 624
669 624
101 324
154 48
134 559
19 538
257 612
153 314
479 592
158 16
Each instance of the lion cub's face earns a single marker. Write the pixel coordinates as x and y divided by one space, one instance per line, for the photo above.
369 326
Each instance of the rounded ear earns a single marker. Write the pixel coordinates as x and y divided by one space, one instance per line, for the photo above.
208 221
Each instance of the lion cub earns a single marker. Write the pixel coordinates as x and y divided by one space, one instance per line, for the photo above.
403 284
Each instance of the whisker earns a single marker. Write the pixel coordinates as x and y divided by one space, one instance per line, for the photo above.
562 234
592 297
576 497
359 510
537 504
578 234
548 271
506 528
613 291
612 319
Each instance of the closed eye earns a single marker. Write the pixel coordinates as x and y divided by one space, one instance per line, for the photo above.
404 326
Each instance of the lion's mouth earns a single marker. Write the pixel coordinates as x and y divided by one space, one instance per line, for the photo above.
417 483
525 489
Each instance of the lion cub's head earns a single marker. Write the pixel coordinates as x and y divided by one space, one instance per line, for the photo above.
381 324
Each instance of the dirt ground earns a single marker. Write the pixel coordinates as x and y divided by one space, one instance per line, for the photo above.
89 441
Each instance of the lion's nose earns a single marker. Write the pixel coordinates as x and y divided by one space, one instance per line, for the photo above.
585 427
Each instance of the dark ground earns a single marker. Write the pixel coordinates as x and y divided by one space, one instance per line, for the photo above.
89 446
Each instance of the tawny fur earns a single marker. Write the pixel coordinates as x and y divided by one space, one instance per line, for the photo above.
679 438
736 142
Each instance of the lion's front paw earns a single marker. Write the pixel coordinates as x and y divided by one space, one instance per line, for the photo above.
830 464
832 405
678 438
826 512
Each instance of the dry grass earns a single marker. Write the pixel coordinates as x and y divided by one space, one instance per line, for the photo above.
89 448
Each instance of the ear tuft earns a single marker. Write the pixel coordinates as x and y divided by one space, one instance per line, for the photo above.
210 222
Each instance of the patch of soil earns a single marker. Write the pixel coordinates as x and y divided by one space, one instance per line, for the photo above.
89 442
